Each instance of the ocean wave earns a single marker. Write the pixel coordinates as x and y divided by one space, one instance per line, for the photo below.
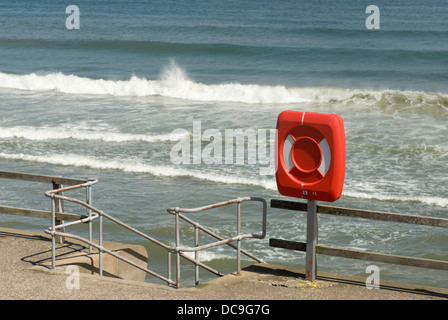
423 151
207 256
64 132
133 45
267 183
432 201
175 83
138 167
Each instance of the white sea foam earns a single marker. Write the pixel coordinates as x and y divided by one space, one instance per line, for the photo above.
138 167
170 171
205 256
174 82
64 132
433 201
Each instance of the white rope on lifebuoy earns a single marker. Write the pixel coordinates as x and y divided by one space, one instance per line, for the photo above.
287 147
326 157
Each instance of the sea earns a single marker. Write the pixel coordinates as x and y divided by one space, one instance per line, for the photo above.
151 97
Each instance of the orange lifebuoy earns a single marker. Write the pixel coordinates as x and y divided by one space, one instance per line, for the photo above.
310 155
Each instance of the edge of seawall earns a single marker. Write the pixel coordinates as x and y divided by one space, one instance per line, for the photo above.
24 276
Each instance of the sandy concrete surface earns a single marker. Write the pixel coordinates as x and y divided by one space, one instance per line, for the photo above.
22 277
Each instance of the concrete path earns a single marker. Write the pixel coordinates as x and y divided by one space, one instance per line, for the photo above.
22 277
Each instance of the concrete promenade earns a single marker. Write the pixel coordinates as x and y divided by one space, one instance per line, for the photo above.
23 277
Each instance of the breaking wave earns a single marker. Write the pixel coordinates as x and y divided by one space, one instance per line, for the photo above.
138 167
174 82
63 132
267 182
432 201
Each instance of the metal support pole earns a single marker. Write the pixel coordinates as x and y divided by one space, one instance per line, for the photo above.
177 250
53 239
238 257
169 266
101 246
311 240
59 207
89 202
196 254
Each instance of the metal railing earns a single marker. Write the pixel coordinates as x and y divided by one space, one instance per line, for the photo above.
311 247
94 213
61 220
177 212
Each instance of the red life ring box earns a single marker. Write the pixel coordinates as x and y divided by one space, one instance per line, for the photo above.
310 155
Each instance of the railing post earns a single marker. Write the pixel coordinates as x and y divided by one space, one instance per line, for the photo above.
169 266
59 207
311 240
53 240
177 249
89 202
196 254
101 246
238 250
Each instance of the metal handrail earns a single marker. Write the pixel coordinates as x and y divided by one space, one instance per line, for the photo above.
178 249
95 213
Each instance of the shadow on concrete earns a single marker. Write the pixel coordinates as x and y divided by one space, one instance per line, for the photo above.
348 280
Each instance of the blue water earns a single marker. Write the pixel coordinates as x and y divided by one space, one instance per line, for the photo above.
103 101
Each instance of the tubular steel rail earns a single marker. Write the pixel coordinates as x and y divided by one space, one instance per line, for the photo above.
93 214
315 248
177 212
61 220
